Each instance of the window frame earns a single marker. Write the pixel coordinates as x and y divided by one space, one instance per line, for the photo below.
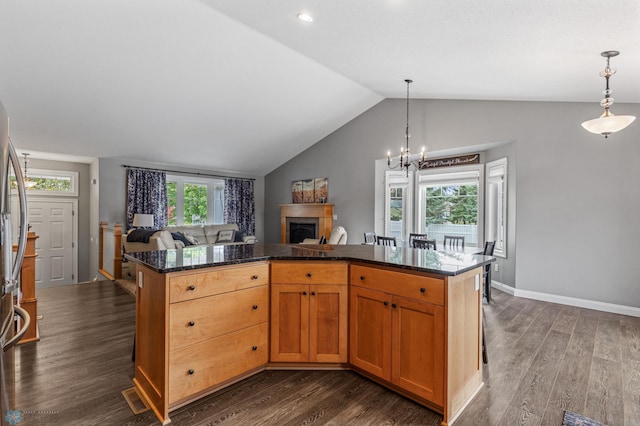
448 176
496 184
211 184
398 179
53 174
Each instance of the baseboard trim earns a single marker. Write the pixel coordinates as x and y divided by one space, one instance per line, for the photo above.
571 301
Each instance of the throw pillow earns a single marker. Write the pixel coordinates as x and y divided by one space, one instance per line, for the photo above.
179 236
225 236
191 239
239 238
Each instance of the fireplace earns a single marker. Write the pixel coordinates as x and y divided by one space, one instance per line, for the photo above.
299 231
305 220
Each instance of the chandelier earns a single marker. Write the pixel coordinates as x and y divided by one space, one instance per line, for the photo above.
404 160
608 123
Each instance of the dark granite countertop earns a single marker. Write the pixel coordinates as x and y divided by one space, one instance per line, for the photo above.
197 257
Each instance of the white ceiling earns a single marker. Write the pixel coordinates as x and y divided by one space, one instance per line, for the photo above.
243 86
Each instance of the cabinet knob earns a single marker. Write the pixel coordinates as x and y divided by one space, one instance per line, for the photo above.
309 274
191 323
386 303
304 293
393 305
254 348
255 307
191 372
361 277
313 293
254 277
192 287
422 290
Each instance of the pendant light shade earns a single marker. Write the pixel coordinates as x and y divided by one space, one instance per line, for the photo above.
608 123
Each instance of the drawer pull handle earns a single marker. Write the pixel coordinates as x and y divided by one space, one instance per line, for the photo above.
254 277
191 323
422 290
191 372
309 274
192 287
254 348
361 277
313 293
393 305
386 303
304 293
255 307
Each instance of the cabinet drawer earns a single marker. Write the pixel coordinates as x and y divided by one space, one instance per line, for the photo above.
216 281
309 272
201 319
196 368
416 287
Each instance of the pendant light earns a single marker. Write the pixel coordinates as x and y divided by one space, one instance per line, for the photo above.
27 183
608 123
404 160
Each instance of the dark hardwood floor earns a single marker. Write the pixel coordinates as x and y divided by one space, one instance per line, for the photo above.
543 358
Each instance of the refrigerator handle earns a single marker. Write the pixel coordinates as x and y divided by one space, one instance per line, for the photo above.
26 318
22 195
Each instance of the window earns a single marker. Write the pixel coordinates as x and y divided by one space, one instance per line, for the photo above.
496 211
194 200
450 203
398 204
52 182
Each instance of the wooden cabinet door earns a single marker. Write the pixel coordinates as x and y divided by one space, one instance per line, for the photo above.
289 322
418 348
370 331
328 306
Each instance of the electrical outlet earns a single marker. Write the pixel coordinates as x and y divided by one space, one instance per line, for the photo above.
335 217
495 267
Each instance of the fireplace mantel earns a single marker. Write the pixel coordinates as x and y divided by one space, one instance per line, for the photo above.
323 212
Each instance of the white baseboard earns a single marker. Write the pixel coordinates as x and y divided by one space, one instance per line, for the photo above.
571 301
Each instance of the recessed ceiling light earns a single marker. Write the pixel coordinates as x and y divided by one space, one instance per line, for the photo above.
305 17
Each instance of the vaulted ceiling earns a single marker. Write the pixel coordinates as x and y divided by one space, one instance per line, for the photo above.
243 85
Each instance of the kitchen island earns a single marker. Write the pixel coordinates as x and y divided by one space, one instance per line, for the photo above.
209 316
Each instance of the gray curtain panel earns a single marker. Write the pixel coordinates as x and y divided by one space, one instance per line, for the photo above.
239 204
147 193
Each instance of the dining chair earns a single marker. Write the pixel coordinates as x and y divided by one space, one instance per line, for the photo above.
486 272
369 238
413 236
424 244
453 242
386 241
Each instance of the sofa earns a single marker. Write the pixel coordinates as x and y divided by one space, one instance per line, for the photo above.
195 234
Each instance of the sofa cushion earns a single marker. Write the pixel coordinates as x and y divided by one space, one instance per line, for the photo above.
193 233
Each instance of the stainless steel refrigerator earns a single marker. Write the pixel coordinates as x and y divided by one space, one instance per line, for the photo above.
10 264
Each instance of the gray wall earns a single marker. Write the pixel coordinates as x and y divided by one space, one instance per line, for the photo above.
112 183
574 201
84 270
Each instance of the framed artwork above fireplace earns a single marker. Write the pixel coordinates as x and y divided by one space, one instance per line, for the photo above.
314 190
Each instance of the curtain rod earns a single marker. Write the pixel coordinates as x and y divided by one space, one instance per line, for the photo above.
185 173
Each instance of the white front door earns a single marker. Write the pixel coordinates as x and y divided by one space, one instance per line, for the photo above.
52 221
